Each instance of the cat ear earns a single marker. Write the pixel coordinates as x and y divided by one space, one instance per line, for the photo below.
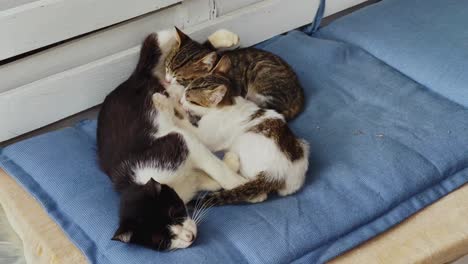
223 66
209 60
153 186
122 235
217 95
180 36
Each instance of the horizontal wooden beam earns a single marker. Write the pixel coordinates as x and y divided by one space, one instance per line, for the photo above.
39 23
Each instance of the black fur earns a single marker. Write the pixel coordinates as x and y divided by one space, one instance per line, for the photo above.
125 139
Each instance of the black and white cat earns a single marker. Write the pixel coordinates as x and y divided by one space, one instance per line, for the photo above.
156 166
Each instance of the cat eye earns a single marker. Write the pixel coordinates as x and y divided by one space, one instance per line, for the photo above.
194 103
176 212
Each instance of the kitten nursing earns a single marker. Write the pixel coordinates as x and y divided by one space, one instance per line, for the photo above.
156 166
159 154
258 142
257 75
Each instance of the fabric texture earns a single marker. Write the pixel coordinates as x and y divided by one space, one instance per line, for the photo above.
426 40
382 148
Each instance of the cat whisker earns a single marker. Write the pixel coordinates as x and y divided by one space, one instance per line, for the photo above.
207 205
160 243
198 205
202 207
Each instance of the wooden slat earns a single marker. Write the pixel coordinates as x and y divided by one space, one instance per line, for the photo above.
55 97
335 6
98 45
223 7
7 4
40 23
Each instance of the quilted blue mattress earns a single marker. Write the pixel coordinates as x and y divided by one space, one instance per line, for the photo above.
383 146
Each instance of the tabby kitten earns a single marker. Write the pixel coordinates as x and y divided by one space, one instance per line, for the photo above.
152 163
257 75
258 141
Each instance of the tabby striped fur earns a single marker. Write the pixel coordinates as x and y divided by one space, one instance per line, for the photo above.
260 76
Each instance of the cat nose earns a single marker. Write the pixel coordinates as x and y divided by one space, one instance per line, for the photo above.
168 78
189 237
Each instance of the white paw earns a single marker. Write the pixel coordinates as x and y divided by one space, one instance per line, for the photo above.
231 160
259 198
285 192
224 39
161 102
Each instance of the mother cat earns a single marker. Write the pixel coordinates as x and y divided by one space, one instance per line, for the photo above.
152 163
257 75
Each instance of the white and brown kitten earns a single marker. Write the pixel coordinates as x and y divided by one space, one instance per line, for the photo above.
156 166
257 141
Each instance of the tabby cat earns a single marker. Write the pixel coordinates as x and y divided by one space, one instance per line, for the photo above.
258 141
257 75
152 163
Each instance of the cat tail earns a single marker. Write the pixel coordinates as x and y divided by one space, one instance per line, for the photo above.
248 192
149 55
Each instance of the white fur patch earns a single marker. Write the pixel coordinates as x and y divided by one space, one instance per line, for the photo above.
125 237
185 234
166 40
256 152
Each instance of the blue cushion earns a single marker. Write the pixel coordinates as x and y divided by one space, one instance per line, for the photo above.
382 148
425 39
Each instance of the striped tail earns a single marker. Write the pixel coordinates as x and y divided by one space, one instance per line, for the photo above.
247 192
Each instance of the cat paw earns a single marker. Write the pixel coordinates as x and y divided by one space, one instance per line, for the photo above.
162 102
285 192
231 160
259 198
222 39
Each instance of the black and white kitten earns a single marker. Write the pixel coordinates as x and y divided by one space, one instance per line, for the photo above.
156 166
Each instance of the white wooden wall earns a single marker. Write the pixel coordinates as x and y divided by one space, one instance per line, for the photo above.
55 83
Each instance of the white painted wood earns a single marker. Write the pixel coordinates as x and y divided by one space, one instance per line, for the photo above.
193 12
7 4
94 46
227 6
335 6
263 20
57 96
40 23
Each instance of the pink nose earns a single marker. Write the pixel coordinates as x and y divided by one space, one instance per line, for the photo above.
168 78
190 237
